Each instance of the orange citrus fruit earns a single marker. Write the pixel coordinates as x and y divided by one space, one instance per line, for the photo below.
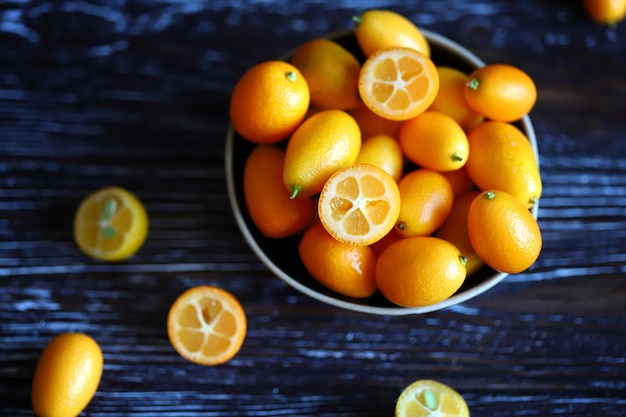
268 202
110 224
450 98
428 398
332 73
381 29
323 143
454 230
384 152
420 271
435 141
503 232
269 101
379 246
359 204
460 181
372 124
502 158
398 83
206 325
343 268
427 199
500 92
606 12
67 375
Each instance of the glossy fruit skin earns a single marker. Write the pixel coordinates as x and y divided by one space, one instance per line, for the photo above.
606 12
502 158
343 268
67 375
331 72
460 181
500 92
419 271
87 231
269 101
372 124
450 99
380 29
426 200
503 232
454 230
272 211
384 152
398 83
325 142
435 141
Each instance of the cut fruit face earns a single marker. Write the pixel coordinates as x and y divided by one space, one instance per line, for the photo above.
110 224
206 325
428 398
398 83
359 204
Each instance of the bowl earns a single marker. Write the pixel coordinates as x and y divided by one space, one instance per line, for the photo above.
281 257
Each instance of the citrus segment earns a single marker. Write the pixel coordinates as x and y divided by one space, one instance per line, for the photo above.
206 325
428 398
359 204
398 83
110 224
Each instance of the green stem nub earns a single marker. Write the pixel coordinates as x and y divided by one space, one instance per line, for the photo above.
295 189
357 20
463 259
473 84
489 195
456 157
291 76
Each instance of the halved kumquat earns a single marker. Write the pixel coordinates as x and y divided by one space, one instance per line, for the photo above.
206 325
398 83
359 204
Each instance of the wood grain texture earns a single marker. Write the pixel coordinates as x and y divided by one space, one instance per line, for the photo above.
135 93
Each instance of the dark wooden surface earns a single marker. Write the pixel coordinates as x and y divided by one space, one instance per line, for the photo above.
135 93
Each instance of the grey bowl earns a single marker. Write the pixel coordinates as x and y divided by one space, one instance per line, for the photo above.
281 257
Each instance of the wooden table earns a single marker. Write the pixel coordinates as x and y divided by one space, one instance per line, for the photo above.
95 93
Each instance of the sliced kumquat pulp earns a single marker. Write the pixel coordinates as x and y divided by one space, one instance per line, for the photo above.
206 325
110 224
398 83
428 398
359 204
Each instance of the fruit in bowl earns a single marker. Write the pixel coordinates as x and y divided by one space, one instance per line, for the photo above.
378 172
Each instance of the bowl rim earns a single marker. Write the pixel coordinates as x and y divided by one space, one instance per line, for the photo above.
441 42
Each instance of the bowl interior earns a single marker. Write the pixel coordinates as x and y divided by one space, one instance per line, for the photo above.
281 255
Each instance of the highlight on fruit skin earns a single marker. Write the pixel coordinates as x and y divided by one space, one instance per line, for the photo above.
606 12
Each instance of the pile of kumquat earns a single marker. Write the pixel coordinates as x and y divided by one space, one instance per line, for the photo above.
398 175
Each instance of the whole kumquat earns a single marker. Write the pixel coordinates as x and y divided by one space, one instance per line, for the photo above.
426 200
503 232
384 152
331 72
269 102
268 201
381 29
500 92
606 12
435 141
420 271
341 267
323 143
502 158
450 98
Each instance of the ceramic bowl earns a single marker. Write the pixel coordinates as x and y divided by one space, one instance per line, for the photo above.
281 257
